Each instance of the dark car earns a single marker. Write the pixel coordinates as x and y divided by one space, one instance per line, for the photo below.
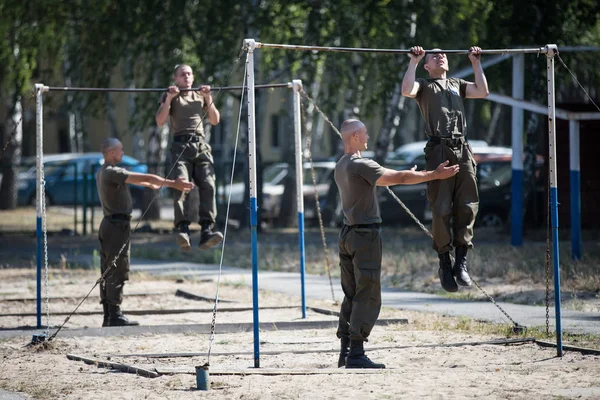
71 179
495 192
494 175
273 187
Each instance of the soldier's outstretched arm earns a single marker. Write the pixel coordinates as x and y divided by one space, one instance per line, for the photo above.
392 177
156 182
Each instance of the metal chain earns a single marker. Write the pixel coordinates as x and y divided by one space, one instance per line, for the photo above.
213 323
413 216
127 241
45 239
517 327
548 232
335 129
490 298
317 205
98 282
576 80
431 237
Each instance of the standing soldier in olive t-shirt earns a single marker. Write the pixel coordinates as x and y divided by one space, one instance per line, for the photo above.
440 100
359 244
115 228
185 111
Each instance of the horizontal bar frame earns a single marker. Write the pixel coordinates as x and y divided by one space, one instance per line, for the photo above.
159 90
535 50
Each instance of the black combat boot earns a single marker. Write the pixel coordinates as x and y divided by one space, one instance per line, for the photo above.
344 351
357 358
460 266
105 308
445 273
183 236
208 237
116 317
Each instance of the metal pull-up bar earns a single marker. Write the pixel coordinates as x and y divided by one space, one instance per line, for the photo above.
534 50
160 90
550 50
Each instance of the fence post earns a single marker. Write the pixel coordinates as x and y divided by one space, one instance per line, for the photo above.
75 187
92 199
85 203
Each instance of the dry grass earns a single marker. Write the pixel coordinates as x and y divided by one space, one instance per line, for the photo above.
508 273
407 264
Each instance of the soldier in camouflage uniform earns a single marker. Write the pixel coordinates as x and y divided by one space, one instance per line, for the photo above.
185 111
359 244
440 100
115 228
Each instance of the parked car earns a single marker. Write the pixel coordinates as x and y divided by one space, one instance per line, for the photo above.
407 153
415 196
273 187
495 188
64 175
494 174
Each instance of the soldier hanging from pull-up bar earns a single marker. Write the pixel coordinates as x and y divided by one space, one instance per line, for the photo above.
186 110
440 100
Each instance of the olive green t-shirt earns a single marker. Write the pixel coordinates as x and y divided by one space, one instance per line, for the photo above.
113 191
442 107
187 109
356 177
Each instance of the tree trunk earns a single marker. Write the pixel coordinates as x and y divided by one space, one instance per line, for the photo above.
156 153
395 106
288 208
112 116
533 123
530 150
11 159
73 110
391 122
135 127
155 156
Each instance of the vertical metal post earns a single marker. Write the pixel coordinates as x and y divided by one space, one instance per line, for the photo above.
84 206
39 160
551 50
92 197
250 46
297 85
75 195
575 190
516 206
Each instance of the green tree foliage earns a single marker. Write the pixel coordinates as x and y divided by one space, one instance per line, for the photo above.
94 39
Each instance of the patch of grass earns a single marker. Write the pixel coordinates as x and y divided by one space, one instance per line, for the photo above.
460 295
239 283
218 385
388 338
174 382
469 325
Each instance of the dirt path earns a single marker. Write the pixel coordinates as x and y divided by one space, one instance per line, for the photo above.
414 369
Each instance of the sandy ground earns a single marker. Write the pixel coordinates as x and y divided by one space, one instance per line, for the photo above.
522 371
